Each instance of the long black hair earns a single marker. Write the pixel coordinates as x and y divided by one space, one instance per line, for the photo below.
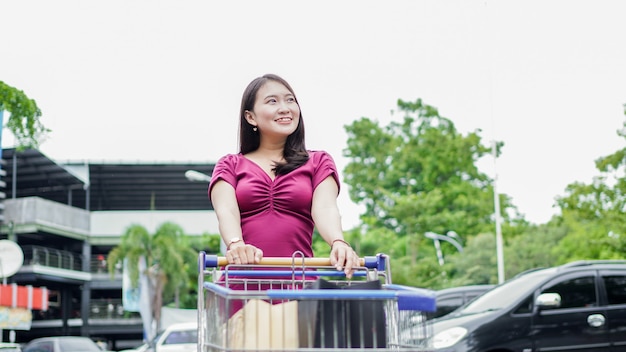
294 152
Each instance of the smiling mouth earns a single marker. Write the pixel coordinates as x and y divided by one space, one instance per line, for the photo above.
283 119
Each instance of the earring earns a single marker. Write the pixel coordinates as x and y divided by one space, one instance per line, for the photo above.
254 129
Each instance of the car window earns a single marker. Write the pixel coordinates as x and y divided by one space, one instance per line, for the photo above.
615 289
447 305
525 307
471 295
43 346
83 345
502 296
575 293
186 336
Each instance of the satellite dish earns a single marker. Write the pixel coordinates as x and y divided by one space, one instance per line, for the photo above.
11 258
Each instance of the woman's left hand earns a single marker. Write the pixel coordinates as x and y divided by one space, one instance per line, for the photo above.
343 257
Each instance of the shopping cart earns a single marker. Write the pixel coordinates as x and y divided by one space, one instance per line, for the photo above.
305 304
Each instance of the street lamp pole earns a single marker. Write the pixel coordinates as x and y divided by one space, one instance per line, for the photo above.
436 240
197 176
496 205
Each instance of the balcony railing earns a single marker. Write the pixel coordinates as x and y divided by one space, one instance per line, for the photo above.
99 309
56 258
98 265
109 309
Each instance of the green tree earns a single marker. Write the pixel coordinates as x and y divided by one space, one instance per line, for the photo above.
534 248
420 174
416 176
169 258
595 213
24 121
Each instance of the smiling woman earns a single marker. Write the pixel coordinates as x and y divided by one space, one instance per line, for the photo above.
269 197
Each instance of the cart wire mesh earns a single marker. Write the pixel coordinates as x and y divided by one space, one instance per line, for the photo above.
305 304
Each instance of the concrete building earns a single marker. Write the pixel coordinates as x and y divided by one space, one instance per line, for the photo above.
66 217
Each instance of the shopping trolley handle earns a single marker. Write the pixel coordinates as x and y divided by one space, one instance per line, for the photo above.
213 261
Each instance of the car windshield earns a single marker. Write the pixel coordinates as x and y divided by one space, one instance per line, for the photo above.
185 336
83 345
508 292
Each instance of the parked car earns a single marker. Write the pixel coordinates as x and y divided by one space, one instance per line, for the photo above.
178 337
142 348
10 347
580 306
62 344
449 299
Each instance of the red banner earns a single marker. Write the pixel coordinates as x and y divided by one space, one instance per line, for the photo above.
28 297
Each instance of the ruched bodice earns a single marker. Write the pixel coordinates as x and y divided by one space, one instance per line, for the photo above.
276 214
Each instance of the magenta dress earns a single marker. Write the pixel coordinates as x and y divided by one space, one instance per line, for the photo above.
276 215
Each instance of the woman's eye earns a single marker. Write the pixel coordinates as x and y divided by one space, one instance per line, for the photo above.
291 100
271 101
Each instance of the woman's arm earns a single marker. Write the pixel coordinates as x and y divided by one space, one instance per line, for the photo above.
326 216
226 208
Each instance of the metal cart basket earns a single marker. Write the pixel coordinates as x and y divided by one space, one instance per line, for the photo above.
305 304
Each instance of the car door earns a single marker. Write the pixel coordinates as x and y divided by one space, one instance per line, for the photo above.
614 284
579 323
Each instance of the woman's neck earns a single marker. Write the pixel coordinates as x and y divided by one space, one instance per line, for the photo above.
268 154
270 151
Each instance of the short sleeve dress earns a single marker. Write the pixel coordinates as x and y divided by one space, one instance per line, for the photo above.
276 214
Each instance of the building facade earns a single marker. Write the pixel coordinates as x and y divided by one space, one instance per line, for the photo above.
66 217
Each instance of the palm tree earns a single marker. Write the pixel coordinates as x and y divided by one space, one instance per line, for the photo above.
166 257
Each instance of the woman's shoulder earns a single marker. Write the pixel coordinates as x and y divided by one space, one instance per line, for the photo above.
317 155
230 158
228 162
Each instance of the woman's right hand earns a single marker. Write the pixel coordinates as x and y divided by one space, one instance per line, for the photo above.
241 253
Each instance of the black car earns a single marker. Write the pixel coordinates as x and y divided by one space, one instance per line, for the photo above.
580 306
449 299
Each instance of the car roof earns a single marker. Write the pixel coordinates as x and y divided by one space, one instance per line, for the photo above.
579 265
62 338
466 288
183 326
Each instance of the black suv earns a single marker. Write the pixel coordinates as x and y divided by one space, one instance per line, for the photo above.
580 306
449 299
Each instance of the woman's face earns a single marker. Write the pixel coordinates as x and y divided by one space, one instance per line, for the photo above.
275 112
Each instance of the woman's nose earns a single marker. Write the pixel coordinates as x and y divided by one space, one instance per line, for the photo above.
284 106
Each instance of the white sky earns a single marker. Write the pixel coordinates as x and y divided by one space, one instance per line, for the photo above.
154 80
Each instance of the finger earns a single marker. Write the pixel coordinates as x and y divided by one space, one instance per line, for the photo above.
349 260
245 259
258 255
333 257
249 250
349 263
353 262
341 258
234 258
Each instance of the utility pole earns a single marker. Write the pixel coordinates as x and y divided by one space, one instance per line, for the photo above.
496 205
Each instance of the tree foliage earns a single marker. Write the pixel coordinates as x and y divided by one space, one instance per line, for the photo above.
419 174
24 121
415 176
595 213
169 261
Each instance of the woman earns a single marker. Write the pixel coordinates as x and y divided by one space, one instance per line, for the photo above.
270 196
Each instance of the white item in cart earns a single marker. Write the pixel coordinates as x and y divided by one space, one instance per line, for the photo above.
260 325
